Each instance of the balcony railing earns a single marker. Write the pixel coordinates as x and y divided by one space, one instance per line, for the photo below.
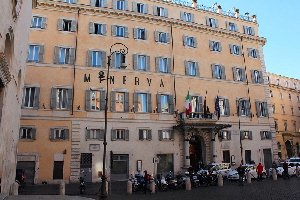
196 116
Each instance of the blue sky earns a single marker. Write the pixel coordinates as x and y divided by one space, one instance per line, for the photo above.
278 22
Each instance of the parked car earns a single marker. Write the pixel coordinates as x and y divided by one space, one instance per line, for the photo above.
291 170
213 168
234 175
294 161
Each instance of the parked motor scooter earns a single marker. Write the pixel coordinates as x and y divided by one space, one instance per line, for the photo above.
172 182
82 185
162 183
194 180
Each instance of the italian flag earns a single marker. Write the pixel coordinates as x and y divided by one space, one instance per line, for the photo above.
188 107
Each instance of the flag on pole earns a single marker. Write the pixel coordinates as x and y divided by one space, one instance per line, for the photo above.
217 107
205 109
188 106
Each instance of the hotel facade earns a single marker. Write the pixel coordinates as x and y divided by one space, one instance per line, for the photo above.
160 54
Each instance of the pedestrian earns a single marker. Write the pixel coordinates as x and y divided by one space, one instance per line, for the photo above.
146 181
285 171
274 166
259 170
200 165
241 172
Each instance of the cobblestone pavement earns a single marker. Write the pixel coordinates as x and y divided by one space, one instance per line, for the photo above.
267 189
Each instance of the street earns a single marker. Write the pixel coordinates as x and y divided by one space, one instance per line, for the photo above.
267 189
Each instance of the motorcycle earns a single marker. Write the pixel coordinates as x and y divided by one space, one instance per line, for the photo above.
212 179
82 185
194 180
172 182
137 183
203 179
162 183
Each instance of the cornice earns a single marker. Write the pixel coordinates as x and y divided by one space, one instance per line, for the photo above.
147 18
283 88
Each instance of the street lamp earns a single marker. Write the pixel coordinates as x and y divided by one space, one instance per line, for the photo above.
123 51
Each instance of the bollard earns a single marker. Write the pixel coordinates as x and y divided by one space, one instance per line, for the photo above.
274 174
15 188
188 185
106 187
129 187
152 187
220 180
249 177
62 188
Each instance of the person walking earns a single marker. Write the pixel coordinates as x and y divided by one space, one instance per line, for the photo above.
259 170
146 181
285 171
241 172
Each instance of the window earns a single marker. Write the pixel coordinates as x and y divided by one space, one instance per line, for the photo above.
165 103
248 30
160 11
283 109
94 134
246 135
280 95
31 97
292 110
231 26
298 99
191 68
64 55
165 135
189 41
225 135
290 97
224 106
58 170
142 102
140 33
238 74
257 76
197 107
120 31
68 25
141 62
215 46
61 98
163 65
235 49
139 7
185 16
276 125
120 4
271 93
295 86
95 100
243 107
285 126
97 28
162 37
212 22
145 134
36 53
119 101
96 58
99 3
286 84
59 134
119 134
273 108
261 109
252 53
38 22
218 71
278 81
69 1
27 133
118 60
294 127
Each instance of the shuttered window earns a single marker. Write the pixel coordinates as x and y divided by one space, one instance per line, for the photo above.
244 107
225 135
95 100
191 68
27 133
142 102
99 3
59 134
265 135
261 109
224 106
119 101
61 98
215 46
38 22
249 30
165 103
231 26
119 134
141 62
145 134
36 53
212 22
238 74
246 135
94 134
31 97
96 58
69 25
218 71
64 55
257 76
165 134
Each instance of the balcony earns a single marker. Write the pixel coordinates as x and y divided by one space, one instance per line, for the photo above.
196 116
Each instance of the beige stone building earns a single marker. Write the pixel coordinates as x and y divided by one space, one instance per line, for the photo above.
173 49
14 32
284 93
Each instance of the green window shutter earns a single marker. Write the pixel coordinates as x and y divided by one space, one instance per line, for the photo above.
158 99
134 6
187 71
41 53
33 133
105 3
156 36
52 131
220 46
88 94
243 75
257 108
73 26
245 29
229 135
223 72
89 58
91 28
113 61
155 10
149 135
37 97
102 99
147 63
166 12
104 29
261 79
168 37
53 102
126 103
211 47
227 107
213 69
197 69
93 2
195 42
103 58
56 55
113 30
231 48
171 104
172 135
135 101
160 134
157 64
127 135
126 4
70 99
72 56
141 134
181 15
102 131
234 73
242 134
135 31
135 63
114 4
126 32
149 102
113 134
113 101
248 110
88 134
250 135
184 40
60 24
252 76
265 106
207 21
66 134
169 65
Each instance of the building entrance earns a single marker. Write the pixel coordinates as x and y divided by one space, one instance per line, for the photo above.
197 152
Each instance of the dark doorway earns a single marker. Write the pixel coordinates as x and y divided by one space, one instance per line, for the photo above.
166 164
267 158
58 170
29 167
289 150
86 166
248 156
120 167
226 156
196 152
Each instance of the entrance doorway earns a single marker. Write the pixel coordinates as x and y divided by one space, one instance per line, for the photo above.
119 170
29 167
267 158
166 164
86 166
197 152
289 150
